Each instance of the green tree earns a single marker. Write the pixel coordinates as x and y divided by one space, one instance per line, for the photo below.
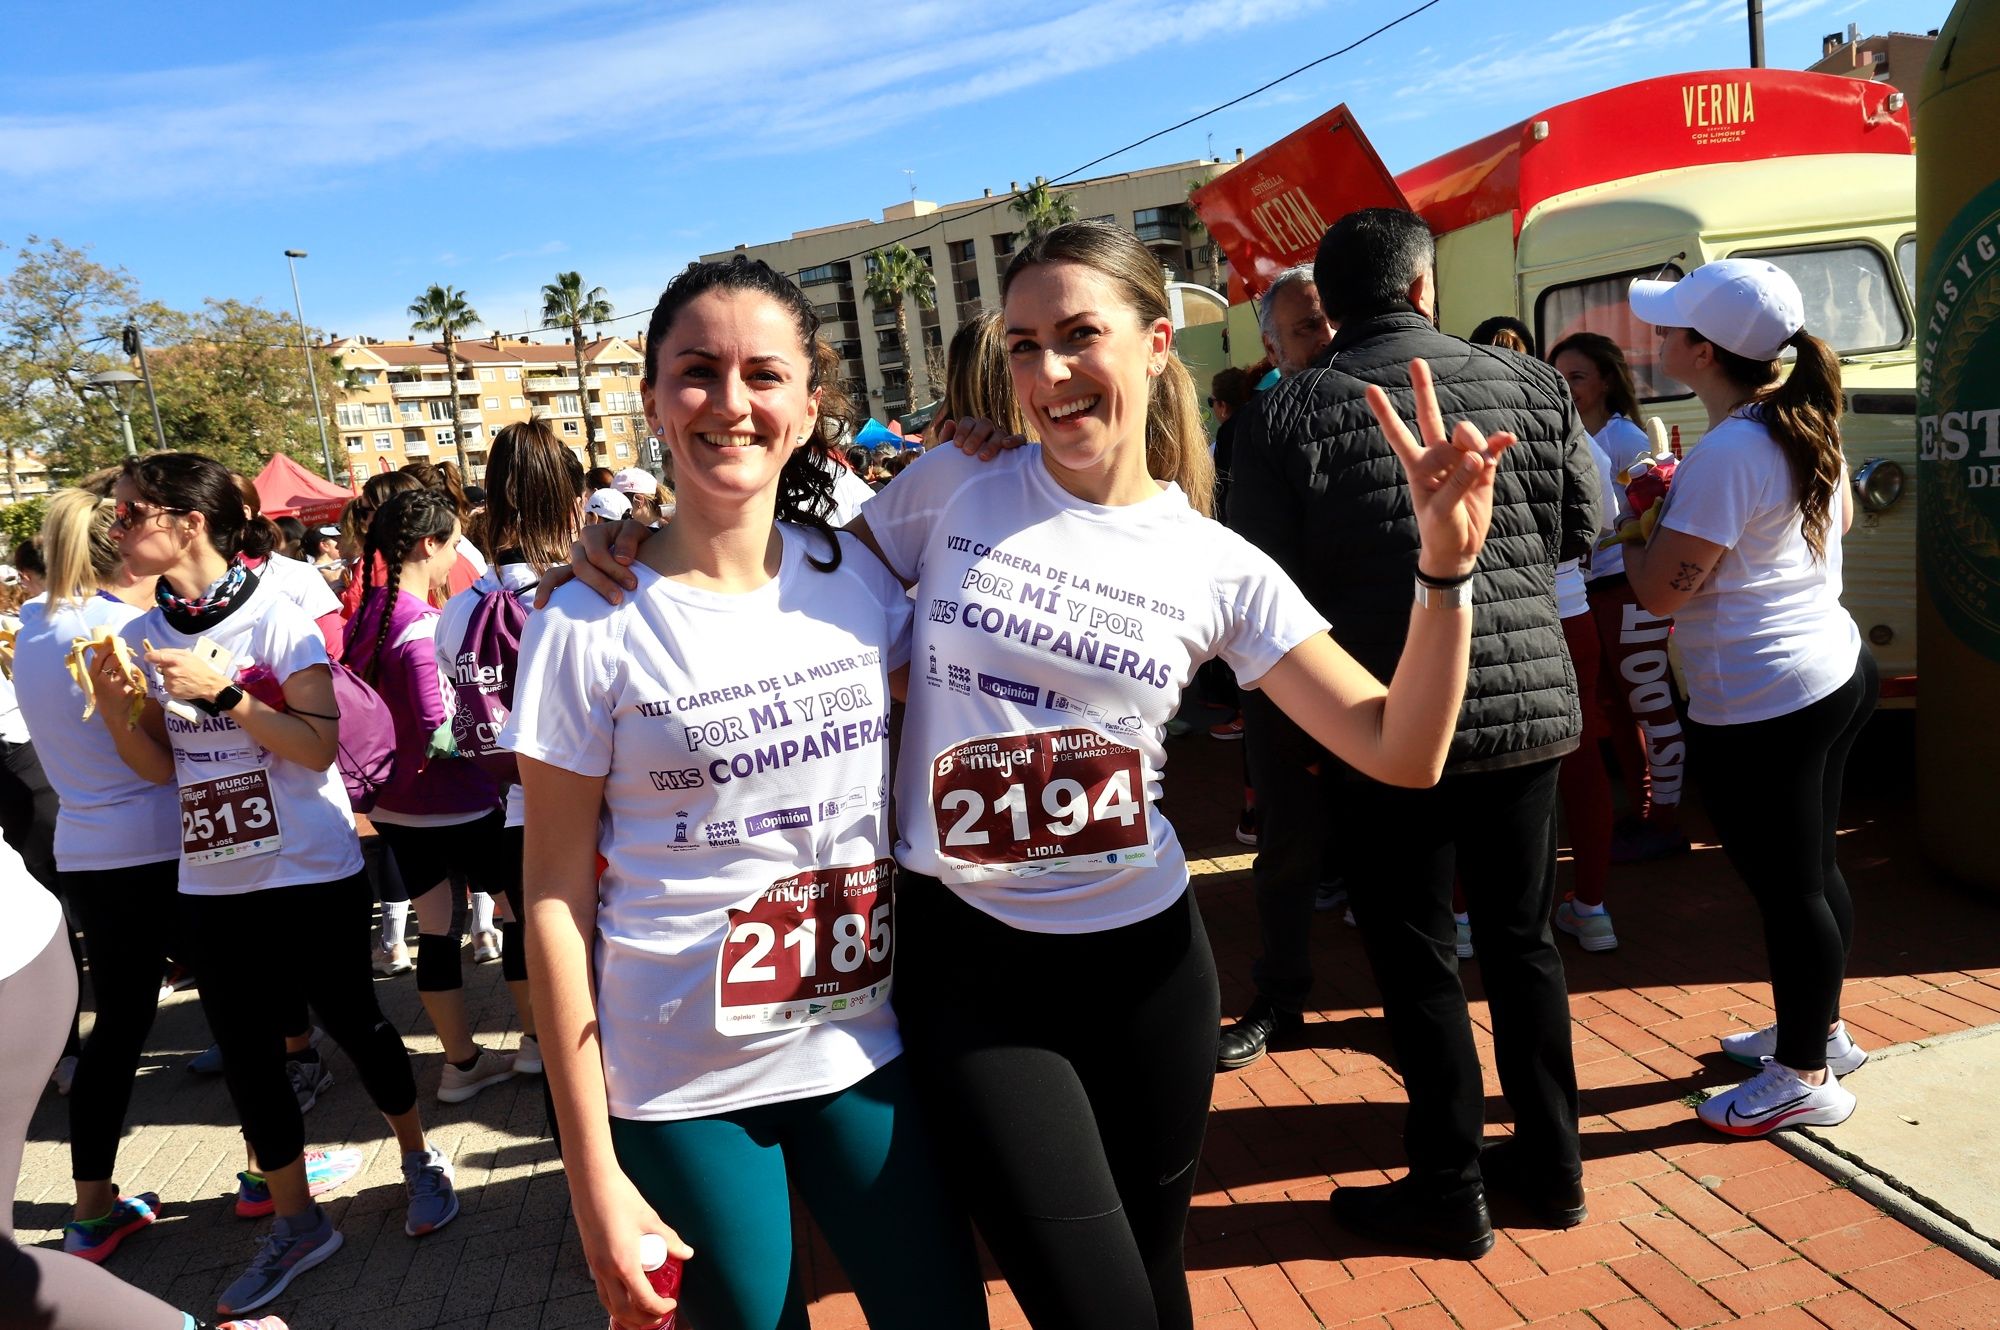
897 274
1202 238
232 385
444 311
565 304
19 521
1041 209
60 311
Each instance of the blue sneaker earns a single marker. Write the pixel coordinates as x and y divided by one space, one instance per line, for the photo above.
286 1255
95 1239
433 1202
208 1062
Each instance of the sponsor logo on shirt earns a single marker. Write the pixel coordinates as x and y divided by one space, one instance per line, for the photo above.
778 819
831 808
722 833
1058 702
681 839
959 679
1024 694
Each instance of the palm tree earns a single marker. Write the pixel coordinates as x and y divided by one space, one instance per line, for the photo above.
1041 209
1203 238
442 310
565 304
894 274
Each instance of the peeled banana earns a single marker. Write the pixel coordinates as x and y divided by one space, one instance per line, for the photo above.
85 652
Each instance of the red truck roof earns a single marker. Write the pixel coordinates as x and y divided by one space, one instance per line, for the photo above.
1263 212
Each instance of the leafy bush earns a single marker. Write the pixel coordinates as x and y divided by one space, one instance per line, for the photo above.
20 521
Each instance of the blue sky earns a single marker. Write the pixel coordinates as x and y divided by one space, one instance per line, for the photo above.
493 144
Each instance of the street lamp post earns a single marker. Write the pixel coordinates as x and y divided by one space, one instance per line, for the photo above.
312 375
112 383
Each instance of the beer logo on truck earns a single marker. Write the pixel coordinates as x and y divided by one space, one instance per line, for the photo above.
1958 424
1718 112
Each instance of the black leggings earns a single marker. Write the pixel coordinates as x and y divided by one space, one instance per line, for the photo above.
429 857
320 934
1067 1078
131 924
1772 787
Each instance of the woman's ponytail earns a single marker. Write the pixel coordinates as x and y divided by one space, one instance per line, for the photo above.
1176 442
1802 412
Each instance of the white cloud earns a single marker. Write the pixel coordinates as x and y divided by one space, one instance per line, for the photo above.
725 79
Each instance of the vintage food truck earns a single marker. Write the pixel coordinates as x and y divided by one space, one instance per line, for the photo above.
1551 219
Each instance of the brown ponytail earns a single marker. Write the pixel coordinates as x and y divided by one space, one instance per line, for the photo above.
1802 413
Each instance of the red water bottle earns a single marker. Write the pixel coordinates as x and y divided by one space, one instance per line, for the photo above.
663 1272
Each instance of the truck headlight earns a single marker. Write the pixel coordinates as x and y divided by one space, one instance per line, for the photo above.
1878 484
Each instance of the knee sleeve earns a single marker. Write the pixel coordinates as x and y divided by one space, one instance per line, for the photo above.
439 965
513 954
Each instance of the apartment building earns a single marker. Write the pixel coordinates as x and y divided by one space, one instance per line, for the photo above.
394 402
1895 58
967 246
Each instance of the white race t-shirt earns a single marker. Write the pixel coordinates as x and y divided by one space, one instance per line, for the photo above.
29 914
300 583
1766 634
251 820
1053 640
1615 446
744 923
850 492
110 816
13 727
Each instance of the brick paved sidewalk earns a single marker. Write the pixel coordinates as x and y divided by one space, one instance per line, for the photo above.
1686 1230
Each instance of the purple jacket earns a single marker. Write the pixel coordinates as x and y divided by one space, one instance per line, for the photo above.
408 680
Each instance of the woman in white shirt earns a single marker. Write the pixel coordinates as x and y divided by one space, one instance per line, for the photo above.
117 848
240 716
1746 558
713 992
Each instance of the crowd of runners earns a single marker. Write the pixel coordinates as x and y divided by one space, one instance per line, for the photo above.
643 753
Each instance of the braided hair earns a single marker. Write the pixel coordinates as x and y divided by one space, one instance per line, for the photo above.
399 526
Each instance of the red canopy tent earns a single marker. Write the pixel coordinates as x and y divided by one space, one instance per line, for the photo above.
286 489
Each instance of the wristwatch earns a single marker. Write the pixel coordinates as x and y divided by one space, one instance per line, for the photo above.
226 700
1444 598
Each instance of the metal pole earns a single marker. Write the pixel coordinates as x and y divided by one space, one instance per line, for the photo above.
125 423
312 375
137 345
1756 34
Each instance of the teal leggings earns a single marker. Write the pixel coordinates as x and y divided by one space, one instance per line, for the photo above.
862 1165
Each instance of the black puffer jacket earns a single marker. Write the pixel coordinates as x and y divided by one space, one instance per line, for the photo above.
1316 485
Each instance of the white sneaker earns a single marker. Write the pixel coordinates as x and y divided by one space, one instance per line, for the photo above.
485 945
1461 941
1776 1097
455 1086
1593 932
309 1080
1752 1048
1329 896
393 959
528 1057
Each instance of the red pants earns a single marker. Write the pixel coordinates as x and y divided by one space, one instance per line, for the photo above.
1638 694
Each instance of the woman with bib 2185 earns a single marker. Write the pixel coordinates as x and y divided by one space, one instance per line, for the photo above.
714 1007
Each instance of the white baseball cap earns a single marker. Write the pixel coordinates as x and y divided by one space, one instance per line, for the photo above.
1748 306
609 505
635 480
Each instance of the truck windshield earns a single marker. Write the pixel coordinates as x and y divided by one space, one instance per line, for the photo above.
1599 305
1850 298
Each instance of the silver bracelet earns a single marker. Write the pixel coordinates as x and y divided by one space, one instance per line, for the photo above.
1444 598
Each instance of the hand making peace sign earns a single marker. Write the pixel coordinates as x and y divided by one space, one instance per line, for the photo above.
1450 474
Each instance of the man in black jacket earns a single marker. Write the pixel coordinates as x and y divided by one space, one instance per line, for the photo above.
1318 488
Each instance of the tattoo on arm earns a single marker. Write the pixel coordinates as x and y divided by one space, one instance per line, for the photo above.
1688 578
